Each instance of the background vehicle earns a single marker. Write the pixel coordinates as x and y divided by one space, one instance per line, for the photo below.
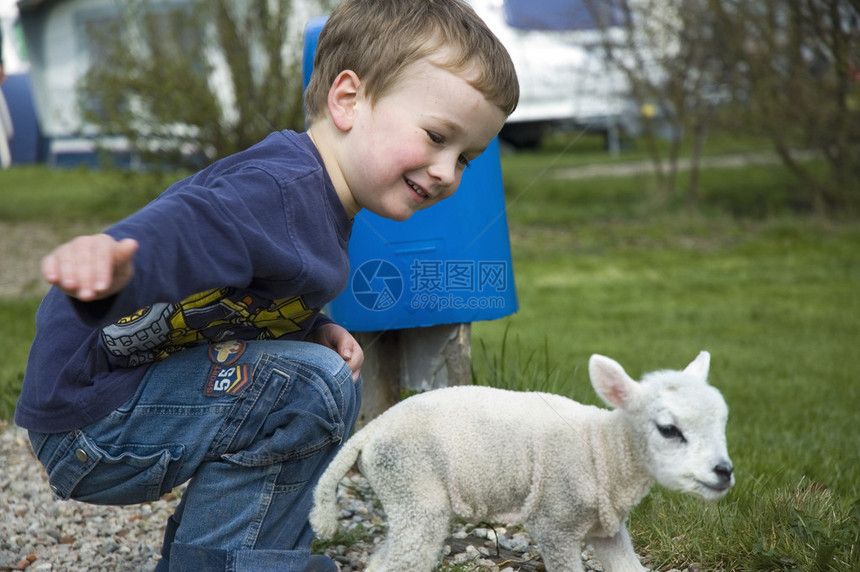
566 78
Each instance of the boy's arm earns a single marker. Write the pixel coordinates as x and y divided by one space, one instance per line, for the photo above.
91 267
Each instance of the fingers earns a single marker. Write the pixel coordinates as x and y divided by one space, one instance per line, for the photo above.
340 340
90 267
347 347
353 355
67 266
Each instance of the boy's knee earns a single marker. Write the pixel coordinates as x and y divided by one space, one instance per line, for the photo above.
328 362
306 359
336 374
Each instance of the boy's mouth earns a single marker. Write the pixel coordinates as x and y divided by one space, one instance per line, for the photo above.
418 190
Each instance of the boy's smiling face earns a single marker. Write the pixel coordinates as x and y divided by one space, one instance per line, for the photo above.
407 150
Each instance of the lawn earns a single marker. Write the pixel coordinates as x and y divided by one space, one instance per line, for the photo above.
603 267
613 266
775 303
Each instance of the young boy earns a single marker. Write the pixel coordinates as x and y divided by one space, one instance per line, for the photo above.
175 346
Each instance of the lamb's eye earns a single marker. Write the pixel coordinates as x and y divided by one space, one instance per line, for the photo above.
671 432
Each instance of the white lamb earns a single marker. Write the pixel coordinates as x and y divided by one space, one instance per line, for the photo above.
568 472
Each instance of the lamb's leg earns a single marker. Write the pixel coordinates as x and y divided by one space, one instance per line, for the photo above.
377 559
418 524
616 552
560 552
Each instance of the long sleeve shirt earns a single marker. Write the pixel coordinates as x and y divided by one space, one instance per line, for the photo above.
252 247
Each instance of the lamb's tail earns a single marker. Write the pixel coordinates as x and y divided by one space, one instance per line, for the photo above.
323 516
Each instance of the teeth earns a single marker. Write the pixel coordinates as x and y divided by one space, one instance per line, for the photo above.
417 189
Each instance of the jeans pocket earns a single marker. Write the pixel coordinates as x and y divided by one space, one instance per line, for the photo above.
305 419
114 474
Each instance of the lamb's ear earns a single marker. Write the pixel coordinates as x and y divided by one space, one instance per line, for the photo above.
700 366
611 382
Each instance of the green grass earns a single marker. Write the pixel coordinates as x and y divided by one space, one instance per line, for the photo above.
776 304
33 193
17 328
612 266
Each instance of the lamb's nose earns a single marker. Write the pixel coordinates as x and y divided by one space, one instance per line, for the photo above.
724 471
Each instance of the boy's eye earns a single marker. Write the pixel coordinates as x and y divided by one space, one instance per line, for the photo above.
435 137
438 139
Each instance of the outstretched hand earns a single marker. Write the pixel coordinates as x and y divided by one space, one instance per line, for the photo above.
91 267
340 340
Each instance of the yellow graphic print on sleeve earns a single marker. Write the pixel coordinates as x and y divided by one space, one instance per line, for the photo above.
154 332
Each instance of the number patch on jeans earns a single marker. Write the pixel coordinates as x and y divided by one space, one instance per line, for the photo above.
227 380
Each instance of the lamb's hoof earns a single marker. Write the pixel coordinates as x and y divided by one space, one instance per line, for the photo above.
320 563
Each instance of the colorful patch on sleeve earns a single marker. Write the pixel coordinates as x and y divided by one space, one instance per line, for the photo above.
227 380
158 331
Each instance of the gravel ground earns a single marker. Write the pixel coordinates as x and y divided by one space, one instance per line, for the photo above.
39 533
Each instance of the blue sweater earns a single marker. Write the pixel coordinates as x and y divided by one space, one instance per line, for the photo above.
251 247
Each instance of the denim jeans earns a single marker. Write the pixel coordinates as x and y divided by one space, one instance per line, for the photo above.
252 425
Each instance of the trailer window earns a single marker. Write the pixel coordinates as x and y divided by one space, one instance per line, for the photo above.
564 15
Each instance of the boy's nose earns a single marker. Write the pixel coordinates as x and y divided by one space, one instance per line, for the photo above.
445 172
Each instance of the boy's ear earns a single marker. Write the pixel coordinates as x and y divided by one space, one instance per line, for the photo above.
342 99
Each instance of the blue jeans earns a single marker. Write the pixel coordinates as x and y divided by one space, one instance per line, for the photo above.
253 426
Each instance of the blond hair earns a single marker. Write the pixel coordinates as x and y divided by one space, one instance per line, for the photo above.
379 39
